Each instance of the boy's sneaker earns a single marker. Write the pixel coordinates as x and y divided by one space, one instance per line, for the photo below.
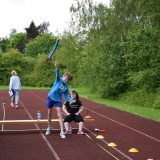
48 131
67 132
62 135
80 132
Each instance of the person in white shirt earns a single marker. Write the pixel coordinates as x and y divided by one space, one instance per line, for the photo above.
15 84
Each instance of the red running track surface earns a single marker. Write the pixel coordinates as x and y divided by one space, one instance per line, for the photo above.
124 129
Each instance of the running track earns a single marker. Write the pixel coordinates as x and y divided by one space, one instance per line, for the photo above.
124 129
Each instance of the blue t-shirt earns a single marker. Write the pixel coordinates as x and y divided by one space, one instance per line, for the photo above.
59 88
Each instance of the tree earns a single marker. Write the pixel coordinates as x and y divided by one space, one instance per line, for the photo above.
143 47
68 52
33 31
43 43
12 33
4 42
86 16
89 20
17 41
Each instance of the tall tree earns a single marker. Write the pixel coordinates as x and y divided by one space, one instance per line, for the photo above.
4 42
33 31
143 46
41 44
12 33
86 15
17 41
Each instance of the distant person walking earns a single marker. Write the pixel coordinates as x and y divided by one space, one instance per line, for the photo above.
15 84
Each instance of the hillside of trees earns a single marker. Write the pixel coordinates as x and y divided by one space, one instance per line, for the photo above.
115 51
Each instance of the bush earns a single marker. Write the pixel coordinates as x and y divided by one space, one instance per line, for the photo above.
147 79
142 98
114 86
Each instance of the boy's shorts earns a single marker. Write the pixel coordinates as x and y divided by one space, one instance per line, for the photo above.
50 103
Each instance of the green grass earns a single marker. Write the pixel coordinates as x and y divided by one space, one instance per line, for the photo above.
149 113
84 92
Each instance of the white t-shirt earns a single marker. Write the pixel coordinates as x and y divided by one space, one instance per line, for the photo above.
15 83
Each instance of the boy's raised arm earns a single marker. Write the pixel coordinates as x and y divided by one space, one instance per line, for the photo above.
56 65
57 71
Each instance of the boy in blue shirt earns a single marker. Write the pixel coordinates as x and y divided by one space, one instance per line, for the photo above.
59 87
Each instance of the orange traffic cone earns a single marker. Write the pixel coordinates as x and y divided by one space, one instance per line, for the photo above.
88 115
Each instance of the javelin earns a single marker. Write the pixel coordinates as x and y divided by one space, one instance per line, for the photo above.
54 49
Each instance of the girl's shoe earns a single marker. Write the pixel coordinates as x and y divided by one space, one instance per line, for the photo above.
12 105
16 106
66 132
80 132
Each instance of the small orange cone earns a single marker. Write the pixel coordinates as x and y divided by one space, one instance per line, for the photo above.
88 115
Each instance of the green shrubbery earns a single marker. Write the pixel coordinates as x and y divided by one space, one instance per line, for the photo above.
142 98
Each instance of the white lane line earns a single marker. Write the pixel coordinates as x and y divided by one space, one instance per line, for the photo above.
37 96
108 143
125 125
47 142
4 114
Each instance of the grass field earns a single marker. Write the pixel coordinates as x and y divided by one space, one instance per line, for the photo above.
146 112
84 92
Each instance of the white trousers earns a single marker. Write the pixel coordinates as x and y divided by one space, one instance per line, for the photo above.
15 97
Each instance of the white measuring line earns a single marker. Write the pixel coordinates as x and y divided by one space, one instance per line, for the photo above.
108 143
125 125
37 96
4 114
47 142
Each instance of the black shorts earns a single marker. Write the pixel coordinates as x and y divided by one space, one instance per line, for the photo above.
78 118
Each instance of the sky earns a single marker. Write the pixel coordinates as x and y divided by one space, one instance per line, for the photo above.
18 14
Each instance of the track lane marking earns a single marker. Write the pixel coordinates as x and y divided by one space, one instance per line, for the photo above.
47 142
125 125
4 114
129 158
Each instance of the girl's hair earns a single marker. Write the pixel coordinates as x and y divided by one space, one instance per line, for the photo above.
14 73
69 75
77 96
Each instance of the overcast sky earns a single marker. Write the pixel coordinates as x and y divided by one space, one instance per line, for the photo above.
18 14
